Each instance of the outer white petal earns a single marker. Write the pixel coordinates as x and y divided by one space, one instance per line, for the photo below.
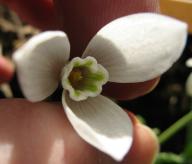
39 63
102 123
138 47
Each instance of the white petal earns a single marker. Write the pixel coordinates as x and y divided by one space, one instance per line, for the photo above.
39 63
102 123
138 47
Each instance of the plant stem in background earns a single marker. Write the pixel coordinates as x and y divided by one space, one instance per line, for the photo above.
175 127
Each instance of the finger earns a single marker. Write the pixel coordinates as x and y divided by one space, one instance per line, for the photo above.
40 133
39 13
6 70
82 19
145 145
128 91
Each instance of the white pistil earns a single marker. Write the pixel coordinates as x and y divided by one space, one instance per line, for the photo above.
83 78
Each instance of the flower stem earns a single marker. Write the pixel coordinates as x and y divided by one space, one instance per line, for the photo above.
175 127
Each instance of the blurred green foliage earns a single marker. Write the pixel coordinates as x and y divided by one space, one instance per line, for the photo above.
169 158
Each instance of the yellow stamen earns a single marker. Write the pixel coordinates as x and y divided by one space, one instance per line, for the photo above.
75 76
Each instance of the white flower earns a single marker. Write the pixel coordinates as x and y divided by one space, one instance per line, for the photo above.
130 49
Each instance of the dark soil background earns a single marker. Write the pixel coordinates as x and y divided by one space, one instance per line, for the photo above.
160 108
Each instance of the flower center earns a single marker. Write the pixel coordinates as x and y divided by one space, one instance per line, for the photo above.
75 77
83 78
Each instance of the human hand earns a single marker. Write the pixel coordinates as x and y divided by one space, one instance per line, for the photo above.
40 117
81 20
40 133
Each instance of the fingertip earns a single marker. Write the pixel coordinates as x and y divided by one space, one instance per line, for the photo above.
6 69
145 146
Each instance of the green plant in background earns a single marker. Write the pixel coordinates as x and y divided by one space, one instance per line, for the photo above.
169 158
186 121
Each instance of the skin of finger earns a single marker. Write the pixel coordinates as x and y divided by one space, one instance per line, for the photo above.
129 91
40 133
39 13
82 19
6 70
145 146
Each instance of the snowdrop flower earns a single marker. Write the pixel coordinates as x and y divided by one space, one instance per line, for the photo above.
130 49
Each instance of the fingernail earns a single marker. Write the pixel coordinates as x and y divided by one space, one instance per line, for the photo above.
134 119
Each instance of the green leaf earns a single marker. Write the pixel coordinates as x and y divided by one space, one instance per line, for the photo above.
187 153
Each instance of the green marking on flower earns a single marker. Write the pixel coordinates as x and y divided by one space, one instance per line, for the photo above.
83 78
